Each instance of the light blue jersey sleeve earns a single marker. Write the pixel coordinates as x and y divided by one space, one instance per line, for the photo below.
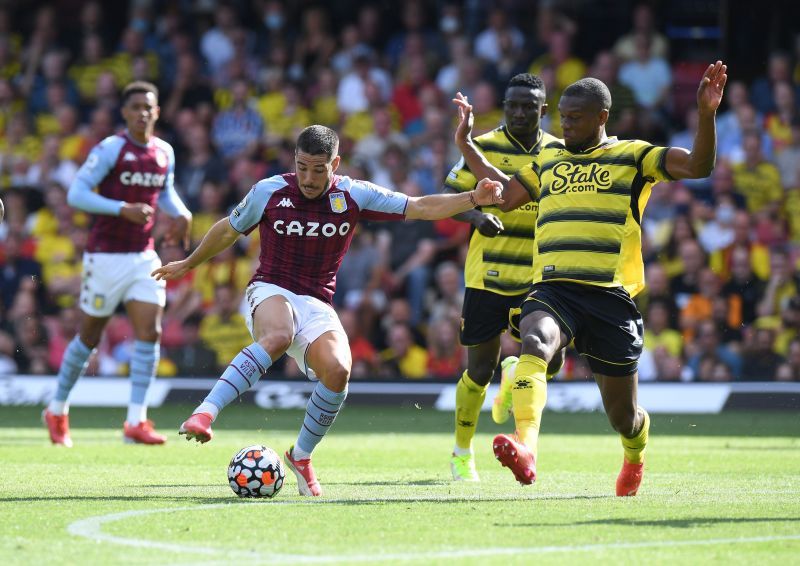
374 198
249 211
169 201
100 161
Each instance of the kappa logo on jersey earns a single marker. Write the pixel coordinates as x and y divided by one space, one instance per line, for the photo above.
146 179
286 203
129 156
313 229
338 202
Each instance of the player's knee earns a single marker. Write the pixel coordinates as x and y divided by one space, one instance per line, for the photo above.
152 335
276 343
336 376
535 344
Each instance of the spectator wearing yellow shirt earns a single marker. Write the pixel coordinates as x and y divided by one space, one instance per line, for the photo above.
484 106
324 108
721 260
224 330
292 120
658 334
758 180
18 141
59 255
133 47
783 284
779 123
403 358
71 141
790 327
567 67
88 68
10 104
211 201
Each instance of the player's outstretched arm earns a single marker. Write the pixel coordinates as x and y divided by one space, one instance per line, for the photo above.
476 161
699 162
488 225
435 207
220 237
514 194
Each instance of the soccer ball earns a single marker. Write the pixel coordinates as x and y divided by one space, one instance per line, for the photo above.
256 471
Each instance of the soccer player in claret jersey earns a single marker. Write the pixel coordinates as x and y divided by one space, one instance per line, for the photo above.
499 266
592 191
133 172
306 221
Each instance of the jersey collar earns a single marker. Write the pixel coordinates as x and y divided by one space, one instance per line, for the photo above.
605 143
514 141
134 142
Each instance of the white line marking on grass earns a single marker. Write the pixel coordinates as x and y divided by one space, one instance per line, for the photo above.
91 528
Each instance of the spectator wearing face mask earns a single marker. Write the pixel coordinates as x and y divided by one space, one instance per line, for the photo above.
719 232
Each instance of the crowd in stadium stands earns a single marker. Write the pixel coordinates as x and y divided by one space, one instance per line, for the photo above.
238 81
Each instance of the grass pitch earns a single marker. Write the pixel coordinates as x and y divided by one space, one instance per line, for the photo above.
717 489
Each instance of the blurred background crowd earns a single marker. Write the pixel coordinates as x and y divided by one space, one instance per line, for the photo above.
238 80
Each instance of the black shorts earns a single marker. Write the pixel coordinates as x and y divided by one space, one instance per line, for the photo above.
485 315
603 321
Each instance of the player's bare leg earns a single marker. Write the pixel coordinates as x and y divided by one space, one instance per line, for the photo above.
73 365
329 357
470 393
146 321
631 422
273 328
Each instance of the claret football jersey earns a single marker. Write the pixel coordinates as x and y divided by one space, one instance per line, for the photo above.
303 241
122 169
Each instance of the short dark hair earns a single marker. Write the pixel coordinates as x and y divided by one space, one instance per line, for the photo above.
527 80
136 87
591 89
316 139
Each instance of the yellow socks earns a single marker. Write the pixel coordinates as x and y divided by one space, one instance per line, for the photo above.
634 447
469 400
529 395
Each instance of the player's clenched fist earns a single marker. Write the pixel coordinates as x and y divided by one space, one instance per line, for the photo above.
137 212
488 192
173 270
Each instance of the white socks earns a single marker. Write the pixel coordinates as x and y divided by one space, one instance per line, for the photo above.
136 414
206 407
458 451
58 408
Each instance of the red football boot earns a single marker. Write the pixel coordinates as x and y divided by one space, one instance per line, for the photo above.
143 433
58 426
629 478
516 457
198 426
307 483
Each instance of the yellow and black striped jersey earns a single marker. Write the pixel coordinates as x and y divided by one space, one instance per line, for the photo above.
590 210
501 264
